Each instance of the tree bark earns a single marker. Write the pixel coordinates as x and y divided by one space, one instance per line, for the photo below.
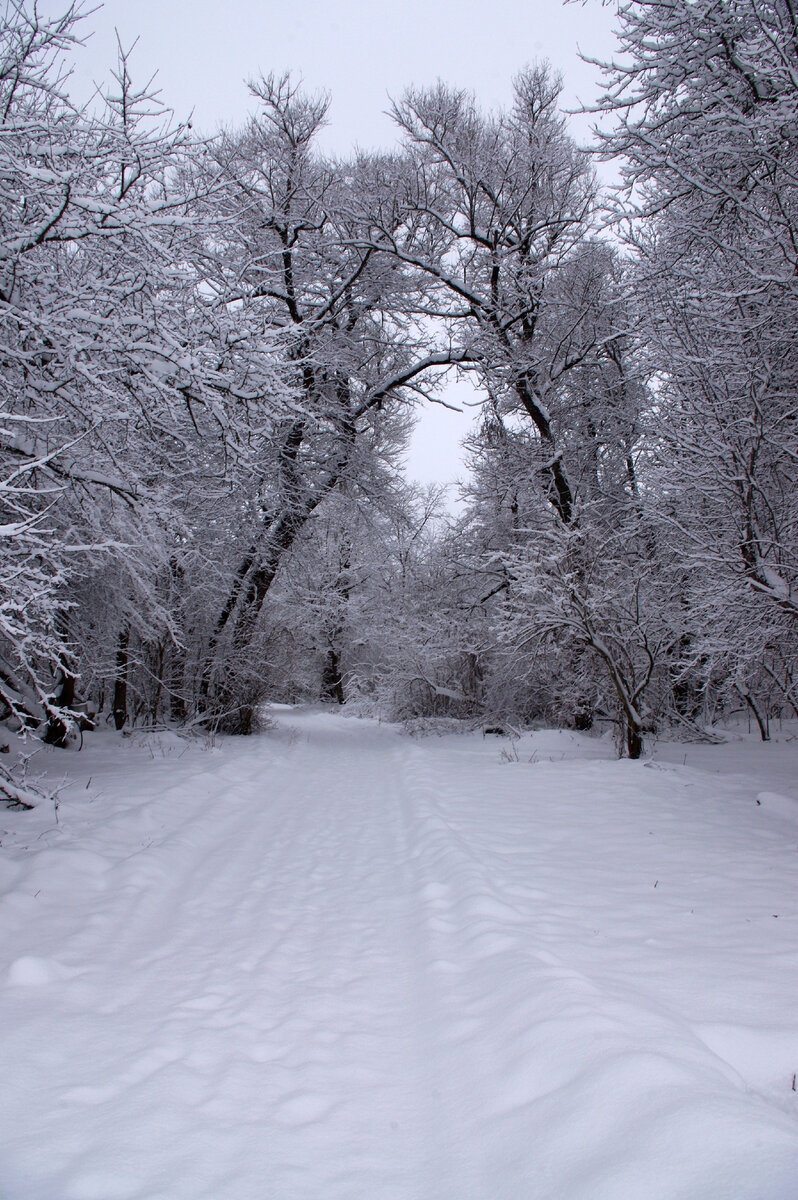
120 681
332 684
634 739
57 731
761 721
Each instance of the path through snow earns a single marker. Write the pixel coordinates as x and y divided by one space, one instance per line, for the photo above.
335 963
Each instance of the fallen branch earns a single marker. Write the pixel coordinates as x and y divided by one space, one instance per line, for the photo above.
16 793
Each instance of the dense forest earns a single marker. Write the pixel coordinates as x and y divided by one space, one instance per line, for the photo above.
212 351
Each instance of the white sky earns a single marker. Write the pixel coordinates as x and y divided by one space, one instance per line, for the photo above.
361 54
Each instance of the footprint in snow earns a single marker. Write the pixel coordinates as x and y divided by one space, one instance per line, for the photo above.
36 972
304 1108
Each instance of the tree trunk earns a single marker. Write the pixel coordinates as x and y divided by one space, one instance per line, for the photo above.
559 488
159 666
177 700
764 731
120 681
634 739
332 684
57 731
583 717
230 701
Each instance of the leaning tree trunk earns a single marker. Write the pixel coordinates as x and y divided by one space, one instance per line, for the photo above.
231 701
764 731
631 720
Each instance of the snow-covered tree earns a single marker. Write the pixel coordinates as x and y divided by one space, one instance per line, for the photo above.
704 98
85 218
123 395
297 258
497 208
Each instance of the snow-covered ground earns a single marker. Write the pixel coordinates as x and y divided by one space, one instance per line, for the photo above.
335 962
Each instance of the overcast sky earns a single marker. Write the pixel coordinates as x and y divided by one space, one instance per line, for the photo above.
360 54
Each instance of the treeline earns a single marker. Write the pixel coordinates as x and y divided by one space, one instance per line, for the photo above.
211 351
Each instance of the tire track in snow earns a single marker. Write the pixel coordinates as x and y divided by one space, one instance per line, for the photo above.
250 1005
357 966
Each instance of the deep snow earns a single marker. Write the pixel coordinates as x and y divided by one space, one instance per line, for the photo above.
336 963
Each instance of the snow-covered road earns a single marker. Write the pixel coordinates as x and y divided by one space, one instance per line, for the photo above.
336 963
